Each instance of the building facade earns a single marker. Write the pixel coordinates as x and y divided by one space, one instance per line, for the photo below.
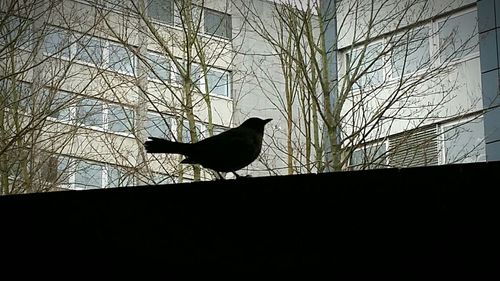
84 83
417 81
360 84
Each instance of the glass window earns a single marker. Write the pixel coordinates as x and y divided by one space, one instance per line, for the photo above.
411 52
120 119
368 65
88 175
195 74
218 82
186 135
158 126
464 143
180 15
161 10
118 178
23 97
90 50
218 24
64 170
57 42
49 168
90 112
120 59
15 30
159 67
458 36
59 105
369 157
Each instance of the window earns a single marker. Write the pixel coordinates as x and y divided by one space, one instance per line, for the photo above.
218 82
57 43
418 147
158 126
159 67
115 5
458 36
121 59
59 107
64 170
80 174
49 168
118 178
186 135
88 175
120 119
161 10
410 52
369 157
15 30
464 143
368 65
90 50
90 112
195 71
23 97
180 16
218 24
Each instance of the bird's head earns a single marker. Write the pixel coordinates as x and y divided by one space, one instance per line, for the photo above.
255 123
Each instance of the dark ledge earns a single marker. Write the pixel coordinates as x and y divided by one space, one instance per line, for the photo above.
440 219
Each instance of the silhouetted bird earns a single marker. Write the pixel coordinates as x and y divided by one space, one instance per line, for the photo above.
228 151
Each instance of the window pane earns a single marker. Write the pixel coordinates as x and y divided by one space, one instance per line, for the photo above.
370 157
120 59
90 112
465 143
57 43
64 170
23 97
180 15
370 68
161 10
159 67
218 24
458 36
58 105
90 50
120 119
117 177
411 52
156 127
186 135
88 175
218 82
15 31
195 71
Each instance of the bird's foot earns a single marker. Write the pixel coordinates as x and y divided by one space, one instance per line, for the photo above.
238 176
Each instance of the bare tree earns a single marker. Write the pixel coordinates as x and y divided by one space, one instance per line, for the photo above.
182 52
401 71
36 123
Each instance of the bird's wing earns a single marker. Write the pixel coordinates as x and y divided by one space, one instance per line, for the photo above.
227 151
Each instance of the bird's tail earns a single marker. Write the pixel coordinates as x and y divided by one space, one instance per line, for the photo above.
159 145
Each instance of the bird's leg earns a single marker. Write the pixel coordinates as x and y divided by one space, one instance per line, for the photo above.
238 176
219 176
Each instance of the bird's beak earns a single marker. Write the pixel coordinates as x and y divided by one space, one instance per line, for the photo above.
267 120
